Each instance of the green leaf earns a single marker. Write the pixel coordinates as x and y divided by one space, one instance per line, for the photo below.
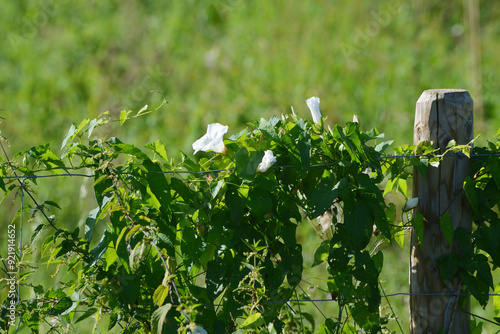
421 164
329 327
292 264
160 294
51 203
90 223
120 147
359 219
86 314
463 238
349 137
158 318
253 321
289 233
246 164
360 313
446 223
69 135
478 264
93 124
82 125
494 167
418 225
184 191
448 267
304 147
477 288
260 202
216 277
48 158
239 135
113 320
321 253
101 182
477 328
370 191
159 187
215 188
110 256
38 290
496 300
63 306
133 231
192 247
65 246
380 148
37 231
2 184
130 287
399 236
98 251
325 193
267 128
124 116
378 261
403 186
389 186
470 191
159 149
32 319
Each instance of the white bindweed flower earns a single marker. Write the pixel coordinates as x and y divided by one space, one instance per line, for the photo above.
333 214
410 204
313 104
267 161
325 221
355 119
212 140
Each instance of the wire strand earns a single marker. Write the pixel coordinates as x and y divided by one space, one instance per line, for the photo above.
16 177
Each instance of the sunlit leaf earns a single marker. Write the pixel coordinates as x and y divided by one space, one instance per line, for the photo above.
160 294
124 116
253 321
158 318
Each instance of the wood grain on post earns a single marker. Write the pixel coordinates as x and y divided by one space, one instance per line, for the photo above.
441 115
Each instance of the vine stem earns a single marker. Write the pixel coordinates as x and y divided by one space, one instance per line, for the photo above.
164 263
390 306
151 241
23 188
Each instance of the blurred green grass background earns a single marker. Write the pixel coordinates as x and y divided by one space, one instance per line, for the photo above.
232 61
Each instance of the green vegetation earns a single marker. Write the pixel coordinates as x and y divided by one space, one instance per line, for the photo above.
228 61
232 60
213 244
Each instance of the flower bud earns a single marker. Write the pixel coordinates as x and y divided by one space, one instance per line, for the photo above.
313 104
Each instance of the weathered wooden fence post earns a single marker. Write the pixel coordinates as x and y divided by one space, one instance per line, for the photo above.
441 115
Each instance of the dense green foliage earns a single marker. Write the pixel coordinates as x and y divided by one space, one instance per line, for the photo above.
212 243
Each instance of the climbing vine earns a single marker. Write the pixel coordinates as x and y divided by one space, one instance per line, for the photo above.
207 242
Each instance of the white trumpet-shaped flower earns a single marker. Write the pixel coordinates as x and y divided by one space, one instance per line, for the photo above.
313 104
325 221
355 118
267 161
212 140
